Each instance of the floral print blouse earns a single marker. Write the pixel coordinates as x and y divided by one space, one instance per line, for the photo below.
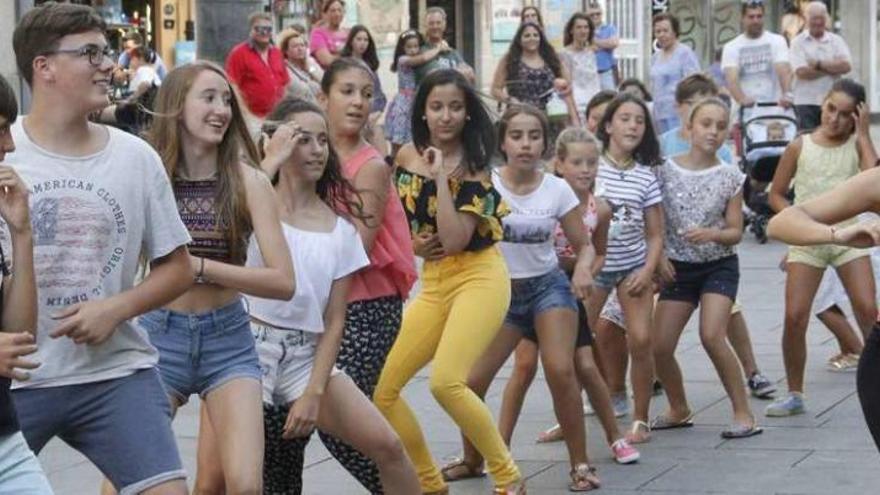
419 197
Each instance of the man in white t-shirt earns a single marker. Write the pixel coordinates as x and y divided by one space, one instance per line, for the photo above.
818 58
755 63
100 199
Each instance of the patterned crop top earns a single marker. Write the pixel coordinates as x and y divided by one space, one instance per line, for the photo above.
419 197
195 202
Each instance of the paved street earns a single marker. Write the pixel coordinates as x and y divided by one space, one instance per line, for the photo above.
826 451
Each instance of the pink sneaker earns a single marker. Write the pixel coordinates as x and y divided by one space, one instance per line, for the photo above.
623 452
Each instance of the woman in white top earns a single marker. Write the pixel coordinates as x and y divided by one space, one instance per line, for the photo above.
297 340
579 56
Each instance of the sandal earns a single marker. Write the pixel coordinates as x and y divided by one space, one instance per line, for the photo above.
458 469
517 488
639 433
583 479
741 431
553 434
664 422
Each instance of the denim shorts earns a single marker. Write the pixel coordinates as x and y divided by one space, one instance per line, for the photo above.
692 280
532 296
200 352
610 279
287 358
122 425
20 471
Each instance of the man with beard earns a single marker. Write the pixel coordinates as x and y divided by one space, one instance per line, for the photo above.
256 67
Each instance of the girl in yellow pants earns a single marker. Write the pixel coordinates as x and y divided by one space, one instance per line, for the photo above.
454 213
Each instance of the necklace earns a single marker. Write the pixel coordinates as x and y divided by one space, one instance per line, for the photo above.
187 178
621 167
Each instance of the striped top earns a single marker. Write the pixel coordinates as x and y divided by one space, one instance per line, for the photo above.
628 193
195 202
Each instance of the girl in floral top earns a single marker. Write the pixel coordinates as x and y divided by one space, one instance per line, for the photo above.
702 203
455 218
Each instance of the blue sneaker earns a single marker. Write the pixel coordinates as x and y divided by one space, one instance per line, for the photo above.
620 404
791 405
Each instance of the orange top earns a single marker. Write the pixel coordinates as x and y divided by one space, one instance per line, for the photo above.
392 269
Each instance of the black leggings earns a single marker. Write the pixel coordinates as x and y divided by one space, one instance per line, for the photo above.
370 330
868 383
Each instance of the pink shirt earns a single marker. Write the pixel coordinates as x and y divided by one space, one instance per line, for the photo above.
332 41
392 269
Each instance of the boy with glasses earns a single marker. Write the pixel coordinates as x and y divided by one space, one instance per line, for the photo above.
99 199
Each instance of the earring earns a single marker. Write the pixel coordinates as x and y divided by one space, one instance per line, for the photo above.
424 117
468 118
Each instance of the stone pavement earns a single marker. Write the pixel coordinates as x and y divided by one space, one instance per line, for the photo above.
828 450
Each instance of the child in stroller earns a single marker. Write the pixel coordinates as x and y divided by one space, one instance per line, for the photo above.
765 131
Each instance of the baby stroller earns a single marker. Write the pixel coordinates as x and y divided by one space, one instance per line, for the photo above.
765 131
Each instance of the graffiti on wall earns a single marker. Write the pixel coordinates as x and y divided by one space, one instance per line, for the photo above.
704 26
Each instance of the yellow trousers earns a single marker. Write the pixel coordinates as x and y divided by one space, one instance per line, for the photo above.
452 321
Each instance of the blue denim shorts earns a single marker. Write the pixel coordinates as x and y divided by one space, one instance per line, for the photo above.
200 352
532 296
607 279
122 425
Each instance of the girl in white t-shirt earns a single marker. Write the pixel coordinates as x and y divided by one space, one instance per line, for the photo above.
543 301
297 340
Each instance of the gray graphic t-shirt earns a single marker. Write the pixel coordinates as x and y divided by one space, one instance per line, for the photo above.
754 58
92 217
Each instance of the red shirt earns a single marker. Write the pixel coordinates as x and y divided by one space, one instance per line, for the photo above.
260 84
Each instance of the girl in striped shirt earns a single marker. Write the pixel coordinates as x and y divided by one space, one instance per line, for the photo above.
635 236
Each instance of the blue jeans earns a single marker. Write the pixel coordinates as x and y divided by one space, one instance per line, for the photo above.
20 471
606 80
200 352
122 425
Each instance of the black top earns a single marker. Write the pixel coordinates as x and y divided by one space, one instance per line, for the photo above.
419 197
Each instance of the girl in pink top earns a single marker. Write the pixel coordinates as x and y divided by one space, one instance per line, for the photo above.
328 38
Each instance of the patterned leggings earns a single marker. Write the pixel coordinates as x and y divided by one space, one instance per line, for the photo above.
370 329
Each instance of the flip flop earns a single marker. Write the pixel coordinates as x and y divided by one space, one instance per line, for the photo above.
464 470
741 431
662 422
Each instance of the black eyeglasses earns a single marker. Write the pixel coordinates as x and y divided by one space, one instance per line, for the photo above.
263 29
96 53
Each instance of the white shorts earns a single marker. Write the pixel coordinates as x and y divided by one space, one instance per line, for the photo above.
286 361
831 291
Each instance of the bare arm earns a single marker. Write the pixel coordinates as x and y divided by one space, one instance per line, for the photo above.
809 223
19 289
274 281
454 228
324 57
864 144
731 75
783 72
836 67
372 180
573 227
425 56
303 414
499 81
785 171
600 235
608 43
